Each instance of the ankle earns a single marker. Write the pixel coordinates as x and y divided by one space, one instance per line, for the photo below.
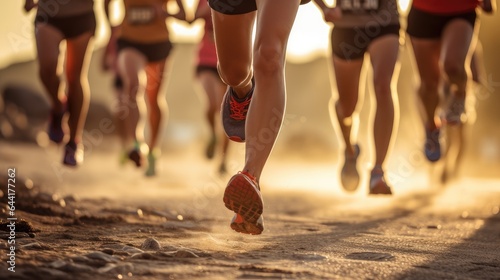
377 170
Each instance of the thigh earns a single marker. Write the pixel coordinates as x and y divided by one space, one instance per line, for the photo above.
384 55
347 76
48 40
427 53
233 38
78 53
130 65
456 41
275 19
154 75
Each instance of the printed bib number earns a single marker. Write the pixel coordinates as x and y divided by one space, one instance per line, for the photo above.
140 15
359 6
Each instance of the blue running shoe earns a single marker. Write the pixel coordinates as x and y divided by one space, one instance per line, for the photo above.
73 154
432 146
56 132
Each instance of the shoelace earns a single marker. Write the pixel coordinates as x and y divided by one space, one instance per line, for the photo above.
238 109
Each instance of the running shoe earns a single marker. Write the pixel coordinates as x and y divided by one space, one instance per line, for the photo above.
234 114
210 150
242 196
73 154
349 175
455 111
135 156
56 132
239 224
432 146
378 185
151 170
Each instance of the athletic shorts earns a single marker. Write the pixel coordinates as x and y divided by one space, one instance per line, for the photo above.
237 7
352 42
152 51
426 25
70 27
206 68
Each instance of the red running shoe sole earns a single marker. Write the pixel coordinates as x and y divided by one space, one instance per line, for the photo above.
242 196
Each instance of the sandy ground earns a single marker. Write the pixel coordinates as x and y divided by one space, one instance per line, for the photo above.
99 221
106 221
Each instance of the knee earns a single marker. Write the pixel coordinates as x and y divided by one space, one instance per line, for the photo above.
234 74
269 61
345 107
455 71
132 85
382 88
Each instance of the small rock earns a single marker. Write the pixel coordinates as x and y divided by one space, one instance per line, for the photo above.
101 256
151 244
185 254
132 250
143 256
434 226
123 268
108 251
57 264
76 268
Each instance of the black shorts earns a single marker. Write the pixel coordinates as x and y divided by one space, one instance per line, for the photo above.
70 27
152 51
206 68
430 26
352 42
237 7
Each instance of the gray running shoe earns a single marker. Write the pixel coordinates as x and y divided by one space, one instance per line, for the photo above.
455 111
234 114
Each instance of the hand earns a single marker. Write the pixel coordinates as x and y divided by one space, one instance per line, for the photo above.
29 5
332 14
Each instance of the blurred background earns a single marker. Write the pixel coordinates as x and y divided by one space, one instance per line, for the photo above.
307 136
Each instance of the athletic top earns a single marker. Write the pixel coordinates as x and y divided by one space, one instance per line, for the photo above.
446 6
363 13
207 55
67 8
144 21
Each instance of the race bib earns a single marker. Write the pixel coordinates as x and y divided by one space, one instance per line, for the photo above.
359 6
140 15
